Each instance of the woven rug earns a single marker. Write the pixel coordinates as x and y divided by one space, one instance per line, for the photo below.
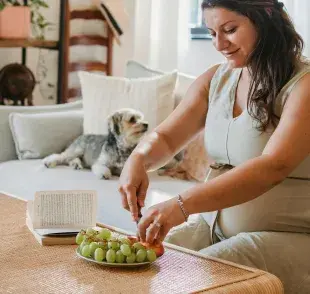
28 267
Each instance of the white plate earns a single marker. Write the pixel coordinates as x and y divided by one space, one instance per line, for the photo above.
112 264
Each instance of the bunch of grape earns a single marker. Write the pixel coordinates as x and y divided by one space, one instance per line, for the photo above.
104 246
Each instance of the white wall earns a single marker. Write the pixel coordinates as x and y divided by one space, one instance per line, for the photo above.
124 52
160 32
200 56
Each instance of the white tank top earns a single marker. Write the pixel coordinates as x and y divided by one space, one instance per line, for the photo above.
232 141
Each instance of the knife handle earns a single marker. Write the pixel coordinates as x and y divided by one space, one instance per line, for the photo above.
139 213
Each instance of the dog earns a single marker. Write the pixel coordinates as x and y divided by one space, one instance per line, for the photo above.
104 154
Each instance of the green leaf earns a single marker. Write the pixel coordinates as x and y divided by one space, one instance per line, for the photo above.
39 3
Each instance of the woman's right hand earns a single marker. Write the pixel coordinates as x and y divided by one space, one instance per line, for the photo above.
133 186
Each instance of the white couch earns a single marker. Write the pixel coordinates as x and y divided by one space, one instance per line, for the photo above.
23 178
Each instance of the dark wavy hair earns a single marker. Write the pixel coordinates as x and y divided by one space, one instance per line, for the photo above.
273 61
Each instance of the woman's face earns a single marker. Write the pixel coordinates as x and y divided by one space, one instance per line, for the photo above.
234 35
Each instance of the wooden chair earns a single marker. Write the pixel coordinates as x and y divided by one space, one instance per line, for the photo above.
104 66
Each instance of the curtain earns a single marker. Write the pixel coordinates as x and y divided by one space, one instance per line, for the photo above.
299 11
161 32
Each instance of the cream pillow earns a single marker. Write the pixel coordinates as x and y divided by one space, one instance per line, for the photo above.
102 95
37 135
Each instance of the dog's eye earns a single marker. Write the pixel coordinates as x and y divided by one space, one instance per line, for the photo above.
132 120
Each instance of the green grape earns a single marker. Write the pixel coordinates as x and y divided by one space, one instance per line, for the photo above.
124 240
82 245
113 239
111 256
151 255
103 245
141 255
86 251
79 238
138 246
99 254
90 231
125 249
120 257
131 258
104 234
93 246
113 245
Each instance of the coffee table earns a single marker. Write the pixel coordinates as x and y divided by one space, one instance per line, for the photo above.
28 267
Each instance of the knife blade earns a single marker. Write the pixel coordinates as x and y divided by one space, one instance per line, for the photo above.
139 217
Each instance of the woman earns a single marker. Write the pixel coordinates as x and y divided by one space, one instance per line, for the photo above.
256 109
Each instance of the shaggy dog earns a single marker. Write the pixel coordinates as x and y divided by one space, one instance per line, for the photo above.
104 154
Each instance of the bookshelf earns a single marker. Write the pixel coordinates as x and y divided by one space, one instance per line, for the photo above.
25 43
60 46
63 47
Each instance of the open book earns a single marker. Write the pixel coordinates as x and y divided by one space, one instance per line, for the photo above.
61 213
115 16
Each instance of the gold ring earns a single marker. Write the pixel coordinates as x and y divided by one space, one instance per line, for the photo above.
157 224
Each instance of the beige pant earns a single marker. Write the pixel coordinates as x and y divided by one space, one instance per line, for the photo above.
286 255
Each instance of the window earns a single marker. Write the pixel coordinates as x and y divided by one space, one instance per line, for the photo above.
197 26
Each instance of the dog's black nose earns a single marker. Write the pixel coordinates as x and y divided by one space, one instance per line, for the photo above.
145 126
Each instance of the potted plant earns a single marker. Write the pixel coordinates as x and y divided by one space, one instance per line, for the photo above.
17 19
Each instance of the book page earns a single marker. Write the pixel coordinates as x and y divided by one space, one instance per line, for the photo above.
64 209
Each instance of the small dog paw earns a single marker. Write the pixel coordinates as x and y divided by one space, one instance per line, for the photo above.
76 164
171 164
102 172
161 172
106 176
51 160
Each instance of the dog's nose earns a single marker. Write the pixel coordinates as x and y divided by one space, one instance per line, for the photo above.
146 125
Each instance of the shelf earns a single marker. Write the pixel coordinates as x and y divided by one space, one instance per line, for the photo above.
87 66
88 40
86 14
24 43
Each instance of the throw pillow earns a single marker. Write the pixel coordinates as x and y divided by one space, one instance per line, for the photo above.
37 135
102 95
7 145
135 69
195 163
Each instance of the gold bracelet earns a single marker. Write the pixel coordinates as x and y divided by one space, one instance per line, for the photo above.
181 204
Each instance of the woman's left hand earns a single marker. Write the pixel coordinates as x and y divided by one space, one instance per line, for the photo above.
159 219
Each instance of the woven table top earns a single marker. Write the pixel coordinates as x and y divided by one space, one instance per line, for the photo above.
28 267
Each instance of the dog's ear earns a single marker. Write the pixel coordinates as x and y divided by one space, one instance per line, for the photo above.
114 123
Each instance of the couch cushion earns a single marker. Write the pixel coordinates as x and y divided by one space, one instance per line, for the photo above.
135 69
7 148
37 135
33 176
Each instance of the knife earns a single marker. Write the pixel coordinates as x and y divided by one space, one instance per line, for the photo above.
139 217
